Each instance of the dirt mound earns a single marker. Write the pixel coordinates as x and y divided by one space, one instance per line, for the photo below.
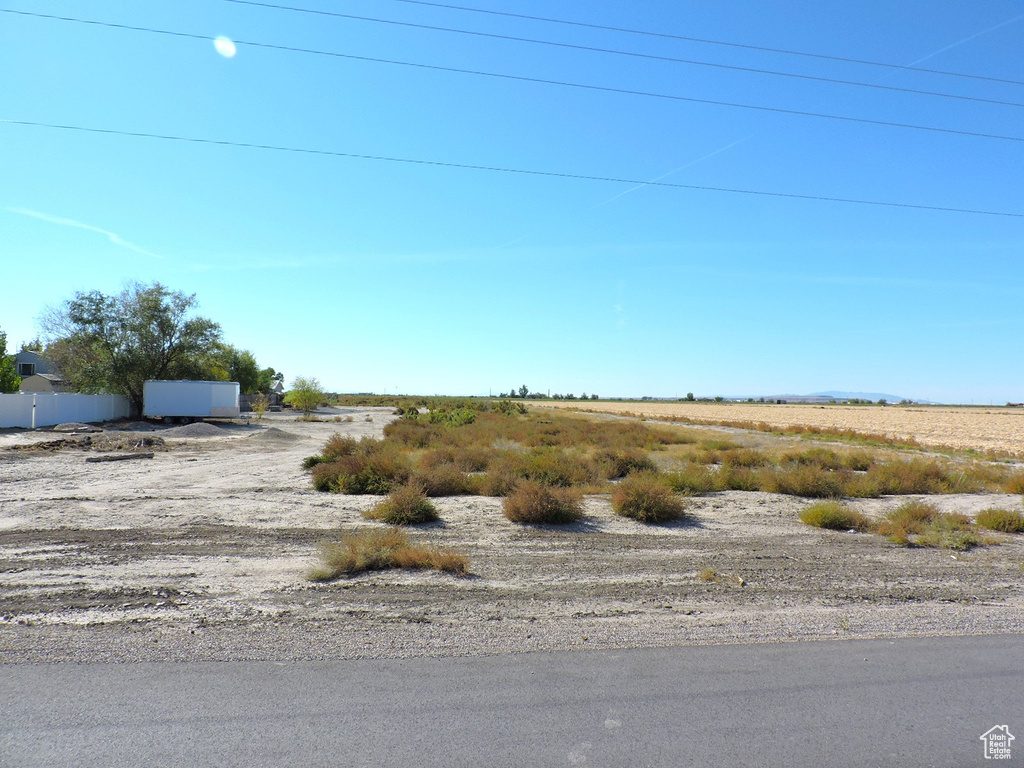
199 429
75 426
275 435
126 442
50 446
132 426
108 442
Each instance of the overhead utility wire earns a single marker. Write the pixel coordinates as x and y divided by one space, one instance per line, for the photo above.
542 81
500 169
701 40
634 54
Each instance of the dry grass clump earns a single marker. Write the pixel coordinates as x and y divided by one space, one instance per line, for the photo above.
711 575
1002 520
614 464
471 458
928 526
823 458
691 478
949 531
534 503
646 497
719 444
907 519
444 480
358 474
859 461
378 550
914 476
497 482
338 445
547 465
730 478
745 457
834 516
808 480
1014 482
405 505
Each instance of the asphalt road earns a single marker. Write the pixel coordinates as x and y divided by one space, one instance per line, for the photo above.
918 702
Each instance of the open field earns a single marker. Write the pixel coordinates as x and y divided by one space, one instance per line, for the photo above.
202 552
982 429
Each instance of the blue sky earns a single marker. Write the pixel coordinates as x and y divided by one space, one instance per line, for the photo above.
386 276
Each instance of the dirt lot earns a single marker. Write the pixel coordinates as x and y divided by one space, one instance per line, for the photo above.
200 552
978 428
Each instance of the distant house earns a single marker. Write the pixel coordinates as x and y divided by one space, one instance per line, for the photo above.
38 374
43 382
31 363
273 397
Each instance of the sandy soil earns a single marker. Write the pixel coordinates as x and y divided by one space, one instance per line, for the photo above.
200 553
977 428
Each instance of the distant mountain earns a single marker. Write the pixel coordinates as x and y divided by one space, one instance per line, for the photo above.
872 396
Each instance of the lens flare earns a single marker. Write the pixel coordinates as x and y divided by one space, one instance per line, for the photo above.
225 46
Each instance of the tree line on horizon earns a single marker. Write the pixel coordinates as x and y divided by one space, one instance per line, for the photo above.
524 393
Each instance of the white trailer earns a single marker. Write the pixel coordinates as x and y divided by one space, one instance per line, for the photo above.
190 400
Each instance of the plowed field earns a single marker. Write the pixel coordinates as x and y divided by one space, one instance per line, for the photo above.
999 430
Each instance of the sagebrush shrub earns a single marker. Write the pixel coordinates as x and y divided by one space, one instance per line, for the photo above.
809 481
858 461
949 531
338 446
646 497
692 478
745 457
615 464
405 505
906 520
834 516
1002 520
1014 483
443 480
358 474
814 457
732 478
535 503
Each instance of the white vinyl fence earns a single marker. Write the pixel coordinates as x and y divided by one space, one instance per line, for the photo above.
31 410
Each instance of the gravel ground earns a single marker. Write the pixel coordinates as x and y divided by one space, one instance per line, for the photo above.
201 553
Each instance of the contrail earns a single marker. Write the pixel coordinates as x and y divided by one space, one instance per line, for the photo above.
967 39
666 175
111 236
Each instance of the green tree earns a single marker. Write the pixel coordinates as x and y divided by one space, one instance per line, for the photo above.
524 391
9 378
118 342
36 345
240 365
689 397
268 377
306 394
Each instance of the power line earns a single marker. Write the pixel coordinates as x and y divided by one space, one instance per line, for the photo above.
634 54
500 169
707 41
592 49
540 81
